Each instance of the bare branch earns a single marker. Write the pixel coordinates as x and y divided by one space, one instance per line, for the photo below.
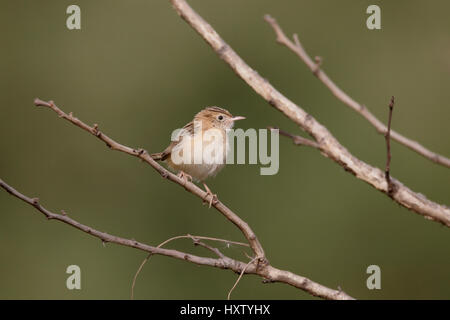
105 237
264 270
388 147
142 154
314 66
329 145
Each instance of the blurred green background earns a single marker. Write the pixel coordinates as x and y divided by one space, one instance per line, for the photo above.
140 71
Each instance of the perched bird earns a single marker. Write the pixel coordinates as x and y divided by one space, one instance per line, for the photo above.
200 147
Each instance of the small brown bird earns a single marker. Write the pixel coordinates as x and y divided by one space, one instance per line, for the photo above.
200 148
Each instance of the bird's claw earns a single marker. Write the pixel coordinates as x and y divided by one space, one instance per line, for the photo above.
213 199
186 177
213 196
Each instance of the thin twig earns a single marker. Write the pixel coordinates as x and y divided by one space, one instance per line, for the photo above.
216 251
314 66
298 140
146 259
388 147
188 236
239 278
227 242
329 145
138 272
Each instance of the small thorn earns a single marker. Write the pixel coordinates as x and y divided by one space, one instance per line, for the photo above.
35 200
265 280
391 103
297 42
318 60
63 213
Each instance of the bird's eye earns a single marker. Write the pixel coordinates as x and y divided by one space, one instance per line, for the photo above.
220 117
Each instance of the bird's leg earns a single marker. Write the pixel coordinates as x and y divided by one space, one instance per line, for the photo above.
209 193
183 175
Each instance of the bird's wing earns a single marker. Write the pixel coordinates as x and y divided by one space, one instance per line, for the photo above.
186 130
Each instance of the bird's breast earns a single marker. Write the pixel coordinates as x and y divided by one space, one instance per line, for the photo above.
200 155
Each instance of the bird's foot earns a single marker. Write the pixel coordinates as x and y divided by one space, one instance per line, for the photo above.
213 196
183 175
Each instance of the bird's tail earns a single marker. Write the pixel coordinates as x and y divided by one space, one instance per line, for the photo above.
160 156
157 156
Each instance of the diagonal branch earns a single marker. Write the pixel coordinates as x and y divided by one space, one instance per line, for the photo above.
266 271
314 66
142 154
223 263
329 145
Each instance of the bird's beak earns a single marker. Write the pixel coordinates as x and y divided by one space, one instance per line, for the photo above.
238 118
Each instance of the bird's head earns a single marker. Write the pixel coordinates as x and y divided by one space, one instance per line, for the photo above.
217 118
